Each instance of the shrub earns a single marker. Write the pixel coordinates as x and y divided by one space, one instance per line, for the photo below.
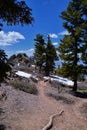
62 98
24 86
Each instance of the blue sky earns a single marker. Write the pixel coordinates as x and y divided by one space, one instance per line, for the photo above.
16 39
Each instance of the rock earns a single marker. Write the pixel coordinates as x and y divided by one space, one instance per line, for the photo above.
3 94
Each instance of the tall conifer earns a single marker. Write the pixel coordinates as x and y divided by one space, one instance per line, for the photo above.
72 45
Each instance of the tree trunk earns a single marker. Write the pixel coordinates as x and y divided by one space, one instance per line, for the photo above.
47 72
75 85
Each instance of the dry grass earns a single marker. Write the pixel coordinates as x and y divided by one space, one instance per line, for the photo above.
62 98
24 86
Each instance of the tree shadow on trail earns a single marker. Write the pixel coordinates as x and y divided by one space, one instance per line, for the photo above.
2 127
79 94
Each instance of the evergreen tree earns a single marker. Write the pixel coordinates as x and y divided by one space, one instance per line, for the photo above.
50 58
84 27
15 12
39 50
4 67
45 54
71 47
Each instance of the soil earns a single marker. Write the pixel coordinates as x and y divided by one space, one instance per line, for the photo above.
24 111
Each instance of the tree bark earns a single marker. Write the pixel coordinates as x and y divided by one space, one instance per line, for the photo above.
75 85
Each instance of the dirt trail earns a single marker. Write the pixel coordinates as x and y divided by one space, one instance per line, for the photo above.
27 112
45 107
42 95
51 104
23 111
41 85
70 119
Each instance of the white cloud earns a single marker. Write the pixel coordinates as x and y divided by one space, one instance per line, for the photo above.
55 43
64 33
53 35
9 38
29 52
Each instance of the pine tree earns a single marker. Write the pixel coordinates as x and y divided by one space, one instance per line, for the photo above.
4 67
51 56
84 27
39 51
45 54
12 12
15 12
71 47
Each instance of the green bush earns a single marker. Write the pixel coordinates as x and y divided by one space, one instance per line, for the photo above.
24 86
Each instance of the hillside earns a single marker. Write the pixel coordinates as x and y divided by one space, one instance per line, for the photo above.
23 111
20 58
22 62
29 101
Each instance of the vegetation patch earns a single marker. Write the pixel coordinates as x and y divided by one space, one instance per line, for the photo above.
24 86
62 98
